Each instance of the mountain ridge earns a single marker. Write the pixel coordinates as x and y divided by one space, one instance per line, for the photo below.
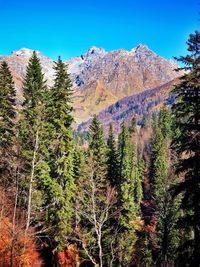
100 78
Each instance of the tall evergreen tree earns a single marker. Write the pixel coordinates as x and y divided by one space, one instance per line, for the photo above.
154 122
30 126
133 126
138 180
158 165
96 198
7 102
164 121
97 148
112 161
7 125
128 215
167 208
57 170
187 146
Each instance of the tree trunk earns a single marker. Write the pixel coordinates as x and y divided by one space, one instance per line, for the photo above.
31 183
100 248
14 219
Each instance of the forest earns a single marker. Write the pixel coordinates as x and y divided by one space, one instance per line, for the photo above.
102 200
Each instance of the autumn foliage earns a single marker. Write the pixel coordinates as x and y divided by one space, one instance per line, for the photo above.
15 249
68 257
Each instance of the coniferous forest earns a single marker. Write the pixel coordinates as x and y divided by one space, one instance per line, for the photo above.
102 200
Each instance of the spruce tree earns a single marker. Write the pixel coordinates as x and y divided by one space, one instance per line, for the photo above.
96 198
187 146
7 103
7 125
133 126
97 148
31 131
112 161
158 166
126 202
167 210
154 122
57 170
138 180
164 121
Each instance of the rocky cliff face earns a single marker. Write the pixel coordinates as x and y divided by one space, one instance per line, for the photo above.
101 78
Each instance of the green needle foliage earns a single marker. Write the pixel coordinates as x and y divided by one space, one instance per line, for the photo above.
31 134
97 149
112 160
164 122
127 204
57 171
187 146
7 125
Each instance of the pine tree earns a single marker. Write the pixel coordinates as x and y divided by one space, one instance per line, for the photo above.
187 146
57 170
7 125
112 162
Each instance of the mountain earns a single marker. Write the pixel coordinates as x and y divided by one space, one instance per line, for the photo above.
101 78
18 61
137 105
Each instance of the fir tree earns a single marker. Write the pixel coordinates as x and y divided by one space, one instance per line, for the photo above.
133 127
97 148
128 215
154 122
187 146
57 171
167 208
31 130
96 198
158 166
7 109
7 125
164 122
112 162
138 180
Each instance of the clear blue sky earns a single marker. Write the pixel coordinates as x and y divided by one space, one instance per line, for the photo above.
69 28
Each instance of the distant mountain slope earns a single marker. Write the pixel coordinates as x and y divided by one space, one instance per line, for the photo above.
139 105
101 78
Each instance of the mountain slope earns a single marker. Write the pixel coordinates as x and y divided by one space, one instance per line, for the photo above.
101 78
139 105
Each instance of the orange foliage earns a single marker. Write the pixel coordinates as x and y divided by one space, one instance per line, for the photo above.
68 257
14 247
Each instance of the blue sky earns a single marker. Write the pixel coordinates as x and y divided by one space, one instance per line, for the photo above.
69 28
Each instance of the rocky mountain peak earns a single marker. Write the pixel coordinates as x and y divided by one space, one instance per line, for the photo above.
142 47
101 78
93 50
24 52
